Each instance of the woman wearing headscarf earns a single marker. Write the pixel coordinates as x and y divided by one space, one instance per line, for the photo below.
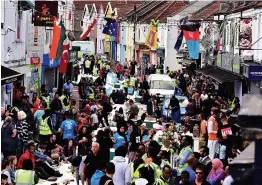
120 137
217 173
105 143
84 141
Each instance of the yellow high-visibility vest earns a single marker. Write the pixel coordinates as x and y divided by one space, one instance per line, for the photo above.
87 63
44 128
158 71
24 177
135 175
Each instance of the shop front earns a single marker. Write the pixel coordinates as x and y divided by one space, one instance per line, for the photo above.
50 72
9 81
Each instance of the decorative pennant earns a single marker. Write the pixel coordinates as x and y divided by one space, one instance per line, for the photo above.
92 22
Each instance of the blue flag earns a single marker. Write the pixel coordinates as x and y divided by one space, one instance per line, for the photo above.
110 27
179 41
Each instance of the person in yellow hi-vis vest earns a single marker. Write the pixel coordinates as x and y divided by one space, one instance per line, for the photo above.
165 178
184 154
125 85
134 169
65 101
26 175
45 126
87 64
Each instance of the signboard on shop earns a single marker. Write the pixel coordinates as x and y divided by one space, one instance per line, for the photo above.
255 73
35 61
45 12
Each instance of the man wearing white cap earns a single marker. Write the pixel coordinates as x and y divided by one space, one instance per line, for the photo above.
159 133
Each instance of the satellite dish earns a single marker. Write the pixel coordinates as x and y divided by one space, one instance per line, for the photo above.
71 36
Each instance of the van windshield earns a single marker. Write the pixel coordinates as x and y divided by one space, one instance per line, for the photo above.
159 84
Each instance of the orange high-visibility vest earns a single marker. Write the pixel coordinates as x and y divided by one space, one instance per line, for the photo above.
213 136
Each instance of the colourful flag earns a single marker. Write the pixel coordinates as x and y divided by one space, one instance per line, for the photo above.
179 41
220 36
89 28
64 59
111 27
61 41
55 40
192 36
151 38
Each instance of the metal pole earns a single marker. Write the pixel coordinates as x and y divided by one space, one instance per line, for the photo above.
134 19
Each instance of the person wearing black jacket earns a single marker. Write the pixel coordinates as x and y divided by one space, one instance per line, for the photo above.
108 178
175 109
223 132
105 143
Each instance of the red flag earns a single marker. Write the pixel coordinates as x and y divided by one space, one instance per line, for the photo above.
89 28
64 59
69 16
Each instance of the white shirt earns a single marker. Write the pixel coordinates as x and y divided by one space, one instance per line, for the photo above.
158 135
8 176
188 133
228 180
203 97
94 118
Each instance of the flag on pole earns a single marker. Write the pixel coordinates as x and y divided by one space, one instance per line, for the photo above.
179 41
110 27
64 59
192 36
55 40
152 35
220 36
61 41
91 24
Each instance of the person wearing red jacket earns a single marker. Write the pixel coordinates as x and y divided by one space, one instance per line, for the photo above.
118 69
29 154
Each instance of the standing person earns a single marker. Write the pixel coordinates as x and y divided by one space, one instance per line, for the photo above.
134 141
122 173
68 87
184 154
118 70
68 127
198 103
56 107
45 127
26 175
87 64
100 172
8 137
107 108
105 143
22 130
134 110
133 67
13 162
203 125
151 106
5 170
212 128
81 88
108 178
120 137
217 173
224 130
175 109
90 164
200 176
165 177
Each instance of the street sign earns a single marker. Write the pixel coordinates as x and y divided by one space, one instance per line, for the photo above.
35 61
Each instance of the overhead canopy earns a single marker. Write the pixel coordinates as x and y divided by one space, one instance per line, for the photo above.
7 73
219 74
246 157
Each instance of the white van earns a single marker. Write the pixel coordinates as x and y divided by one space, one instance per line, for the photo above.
160 84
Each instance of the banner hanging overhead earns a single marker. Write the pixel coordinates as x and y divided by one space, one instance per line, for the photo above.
45 13
245 34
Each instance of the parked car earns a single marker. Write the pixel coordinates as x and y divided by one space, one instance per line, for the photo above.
183 101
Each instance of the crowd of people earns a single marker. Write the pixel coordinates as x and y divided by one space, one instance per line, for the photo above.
40 132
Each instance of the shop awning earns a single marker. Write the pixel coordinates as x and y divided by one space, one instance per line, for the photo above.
7 73
246 157
218 74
